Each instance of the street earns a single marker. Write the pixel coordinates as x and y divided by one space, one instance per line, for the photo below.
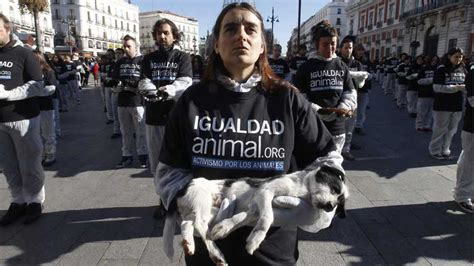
400 209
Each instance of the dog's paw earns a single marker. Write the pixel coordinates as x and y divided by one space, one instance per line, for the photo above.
221 229
188 247
254 240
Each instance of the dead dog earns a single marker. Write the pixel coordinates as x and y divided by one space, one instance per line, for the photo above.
199 202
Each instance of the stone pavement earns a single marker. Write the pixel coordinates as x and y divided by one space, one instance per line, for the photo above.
400 210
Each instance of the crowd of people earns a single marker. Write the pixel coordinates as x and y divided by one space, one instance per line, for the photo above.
240 113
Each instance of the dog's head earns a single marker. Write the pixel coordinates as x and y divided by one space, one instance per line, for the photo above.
328 190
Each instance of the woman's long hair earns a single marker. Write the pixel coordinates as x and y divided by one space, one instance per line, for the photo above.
45 67
269 80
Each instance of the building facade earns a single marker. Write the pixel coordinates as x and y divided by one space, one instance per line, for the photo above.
390 27
24 24
334 12
188 27
93 26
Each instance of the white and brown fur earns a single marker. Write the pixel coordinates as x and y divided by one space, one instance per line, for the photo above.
198 204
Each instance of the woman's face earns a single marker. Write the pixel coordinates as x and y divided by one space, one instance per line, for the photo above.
327 46
419 61
456 58
240 41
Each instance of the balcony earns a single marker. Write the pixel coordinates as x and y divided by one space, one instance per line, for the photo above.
377 41
390 21
432 6
379 24
361 30
369 27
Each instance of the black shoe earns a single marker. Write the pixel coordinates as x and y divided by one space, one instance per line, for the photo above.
125 162
33 212
143 160
355 147
348 156
159 213
359 131
115 136
15 211
109 122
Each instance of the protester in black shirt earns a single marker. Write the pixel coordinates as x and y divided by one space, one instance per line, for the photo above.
298 60
448 85
130 107
325 80
241 101
166 73
412 88
363 92
47 127
402 70
278 64
20 141
424 106
464 190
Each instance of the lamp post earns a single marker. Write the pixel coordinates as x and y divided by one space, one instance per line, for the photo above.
69 40
194 44
415 44
273 19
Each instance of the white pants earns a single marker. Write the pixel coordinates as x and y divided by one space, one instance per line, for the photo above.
57 124
444 127
362 102
389 84
48 134
350 125
339 142
424 110
402 95
154 138
465 174
132 120
20 159
73 88
396 94
108 103
412 97
63 92
114 99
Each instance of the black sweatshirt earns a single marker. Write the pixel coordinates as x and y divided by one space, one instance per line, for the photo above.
127 71
218 133
445 76
324 83
279 67
46 102
163 67
17 67
426 74
413 83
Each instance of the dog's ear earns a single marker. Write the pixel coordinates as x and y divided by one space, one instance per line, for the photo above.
332 171
341 207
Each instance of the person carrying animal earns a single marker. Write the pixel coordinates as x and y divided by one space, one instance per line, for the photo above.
243 121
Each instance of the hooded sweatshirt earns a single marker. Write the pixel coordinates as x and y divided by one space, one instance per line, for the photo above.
448 97
18 67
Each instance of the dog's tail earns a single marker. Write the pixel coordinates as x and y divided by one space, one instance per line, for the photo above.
168 234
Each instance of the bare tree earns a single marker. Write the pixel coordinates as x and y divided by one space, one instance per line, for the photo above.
34 7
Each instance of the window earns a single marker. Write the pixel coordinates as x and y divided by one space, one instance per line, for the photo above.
128 27
351 25
105 35
71 12
371 18
108 10
103 20
96 18
402 6
380 16
338 31
452 43
362 21
121 25
391 10
57 15
338 21
134 28
90 32
339 11
387 51
116 25
89 16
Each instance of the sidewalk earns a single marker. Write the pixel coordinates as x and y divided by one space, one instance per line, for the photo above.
400 210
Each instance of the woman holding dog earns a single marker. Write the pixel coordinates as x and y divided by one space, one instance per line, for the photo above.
242 121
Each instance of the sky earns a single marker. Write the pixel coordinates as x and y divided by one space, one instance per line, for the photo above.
206 12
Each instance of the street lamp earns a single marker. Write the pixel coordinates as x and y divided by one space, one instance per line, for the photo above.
415 44
194 44
69 40
273 19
